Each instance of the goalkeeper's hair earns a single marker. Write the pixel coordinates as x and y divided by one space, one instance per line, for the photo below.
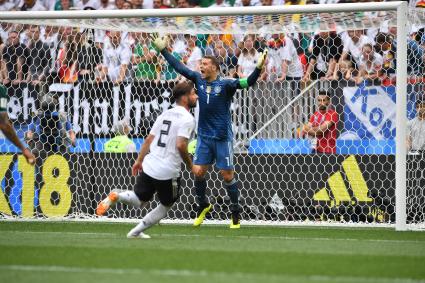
181 89
214 61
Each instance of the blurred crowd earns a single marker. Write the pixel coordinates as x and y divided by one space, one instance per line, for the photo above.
40 55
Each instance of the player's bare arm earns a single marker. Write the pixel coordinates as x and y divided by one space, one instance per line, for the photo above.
8 130
182 144
318 130
137 166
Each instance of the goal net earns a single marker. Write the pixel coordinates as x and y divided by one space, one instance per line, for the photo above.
314 139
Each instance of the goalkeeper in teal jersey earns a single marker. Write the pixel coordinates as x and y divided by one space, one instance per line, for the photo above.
215 137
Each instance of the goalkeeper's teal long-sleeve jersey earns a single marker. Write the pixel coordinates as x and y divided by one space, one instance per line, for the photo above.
214 99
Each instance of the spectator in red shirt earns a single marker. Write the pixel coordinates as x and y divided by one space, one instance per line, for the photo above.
322 126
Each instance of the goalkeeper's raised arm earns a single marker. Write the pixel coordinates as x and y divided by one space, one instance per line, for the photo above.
253 77
161 45
208 74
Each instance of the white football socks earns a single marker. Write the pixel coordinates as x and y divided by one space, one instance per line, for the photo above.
150 219
129 198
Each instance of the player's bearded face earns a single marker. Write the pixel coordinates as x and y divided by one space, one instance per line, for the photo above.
323 102
193 97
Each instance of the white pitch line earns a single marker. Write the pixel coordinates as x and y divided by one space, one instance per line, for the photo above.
291 238
203 273
168 235
62 233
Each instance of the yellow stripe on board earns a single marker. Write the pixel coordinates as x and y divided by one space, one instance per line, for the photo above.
322 195
5 161
338 188
28 179
355 178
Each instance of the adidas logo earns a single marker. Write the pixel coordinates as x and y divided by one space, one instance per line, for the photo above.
337 185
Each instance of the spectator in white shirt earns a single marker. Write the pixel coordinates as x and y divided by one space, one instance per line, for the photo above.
116 59
370 64
49 4
51 39
248 59
273 68
147 4
353 46
192 57
292 69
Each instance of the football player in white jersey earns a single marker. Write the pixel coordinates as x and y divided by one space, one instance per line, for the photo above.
158 165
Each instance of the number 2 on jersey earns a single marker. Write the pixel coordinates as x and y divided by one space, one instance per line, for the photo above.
164 132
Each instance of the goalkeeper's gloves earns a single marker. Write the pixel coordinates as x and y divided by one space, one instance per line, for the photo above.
262 59
160 43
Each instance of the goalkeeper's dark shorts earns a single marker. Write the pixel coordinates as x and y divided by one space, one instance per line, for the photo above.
168 190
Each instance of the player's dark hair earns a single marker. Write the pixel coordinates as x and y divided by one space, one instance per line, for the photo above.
324 92
182 89
214 61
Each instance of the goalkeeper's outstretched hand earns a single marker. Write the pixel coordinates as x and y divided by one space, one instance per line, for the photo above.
262 59
160 43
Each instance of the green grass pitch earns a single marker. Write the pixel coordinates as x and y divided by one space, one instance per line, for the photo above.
100 252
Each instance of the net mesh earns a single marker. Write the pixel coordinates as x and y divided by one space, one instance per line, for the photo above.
74 85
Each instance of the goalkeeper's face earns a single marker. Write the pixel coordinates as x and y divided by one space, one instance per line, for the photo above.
208 69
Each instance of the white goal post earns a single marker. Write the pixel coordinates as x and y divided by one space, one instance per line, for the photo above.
140 21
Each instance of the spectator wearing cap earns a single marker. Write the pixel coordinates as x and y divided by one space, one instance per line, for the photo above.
121 143
416 128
